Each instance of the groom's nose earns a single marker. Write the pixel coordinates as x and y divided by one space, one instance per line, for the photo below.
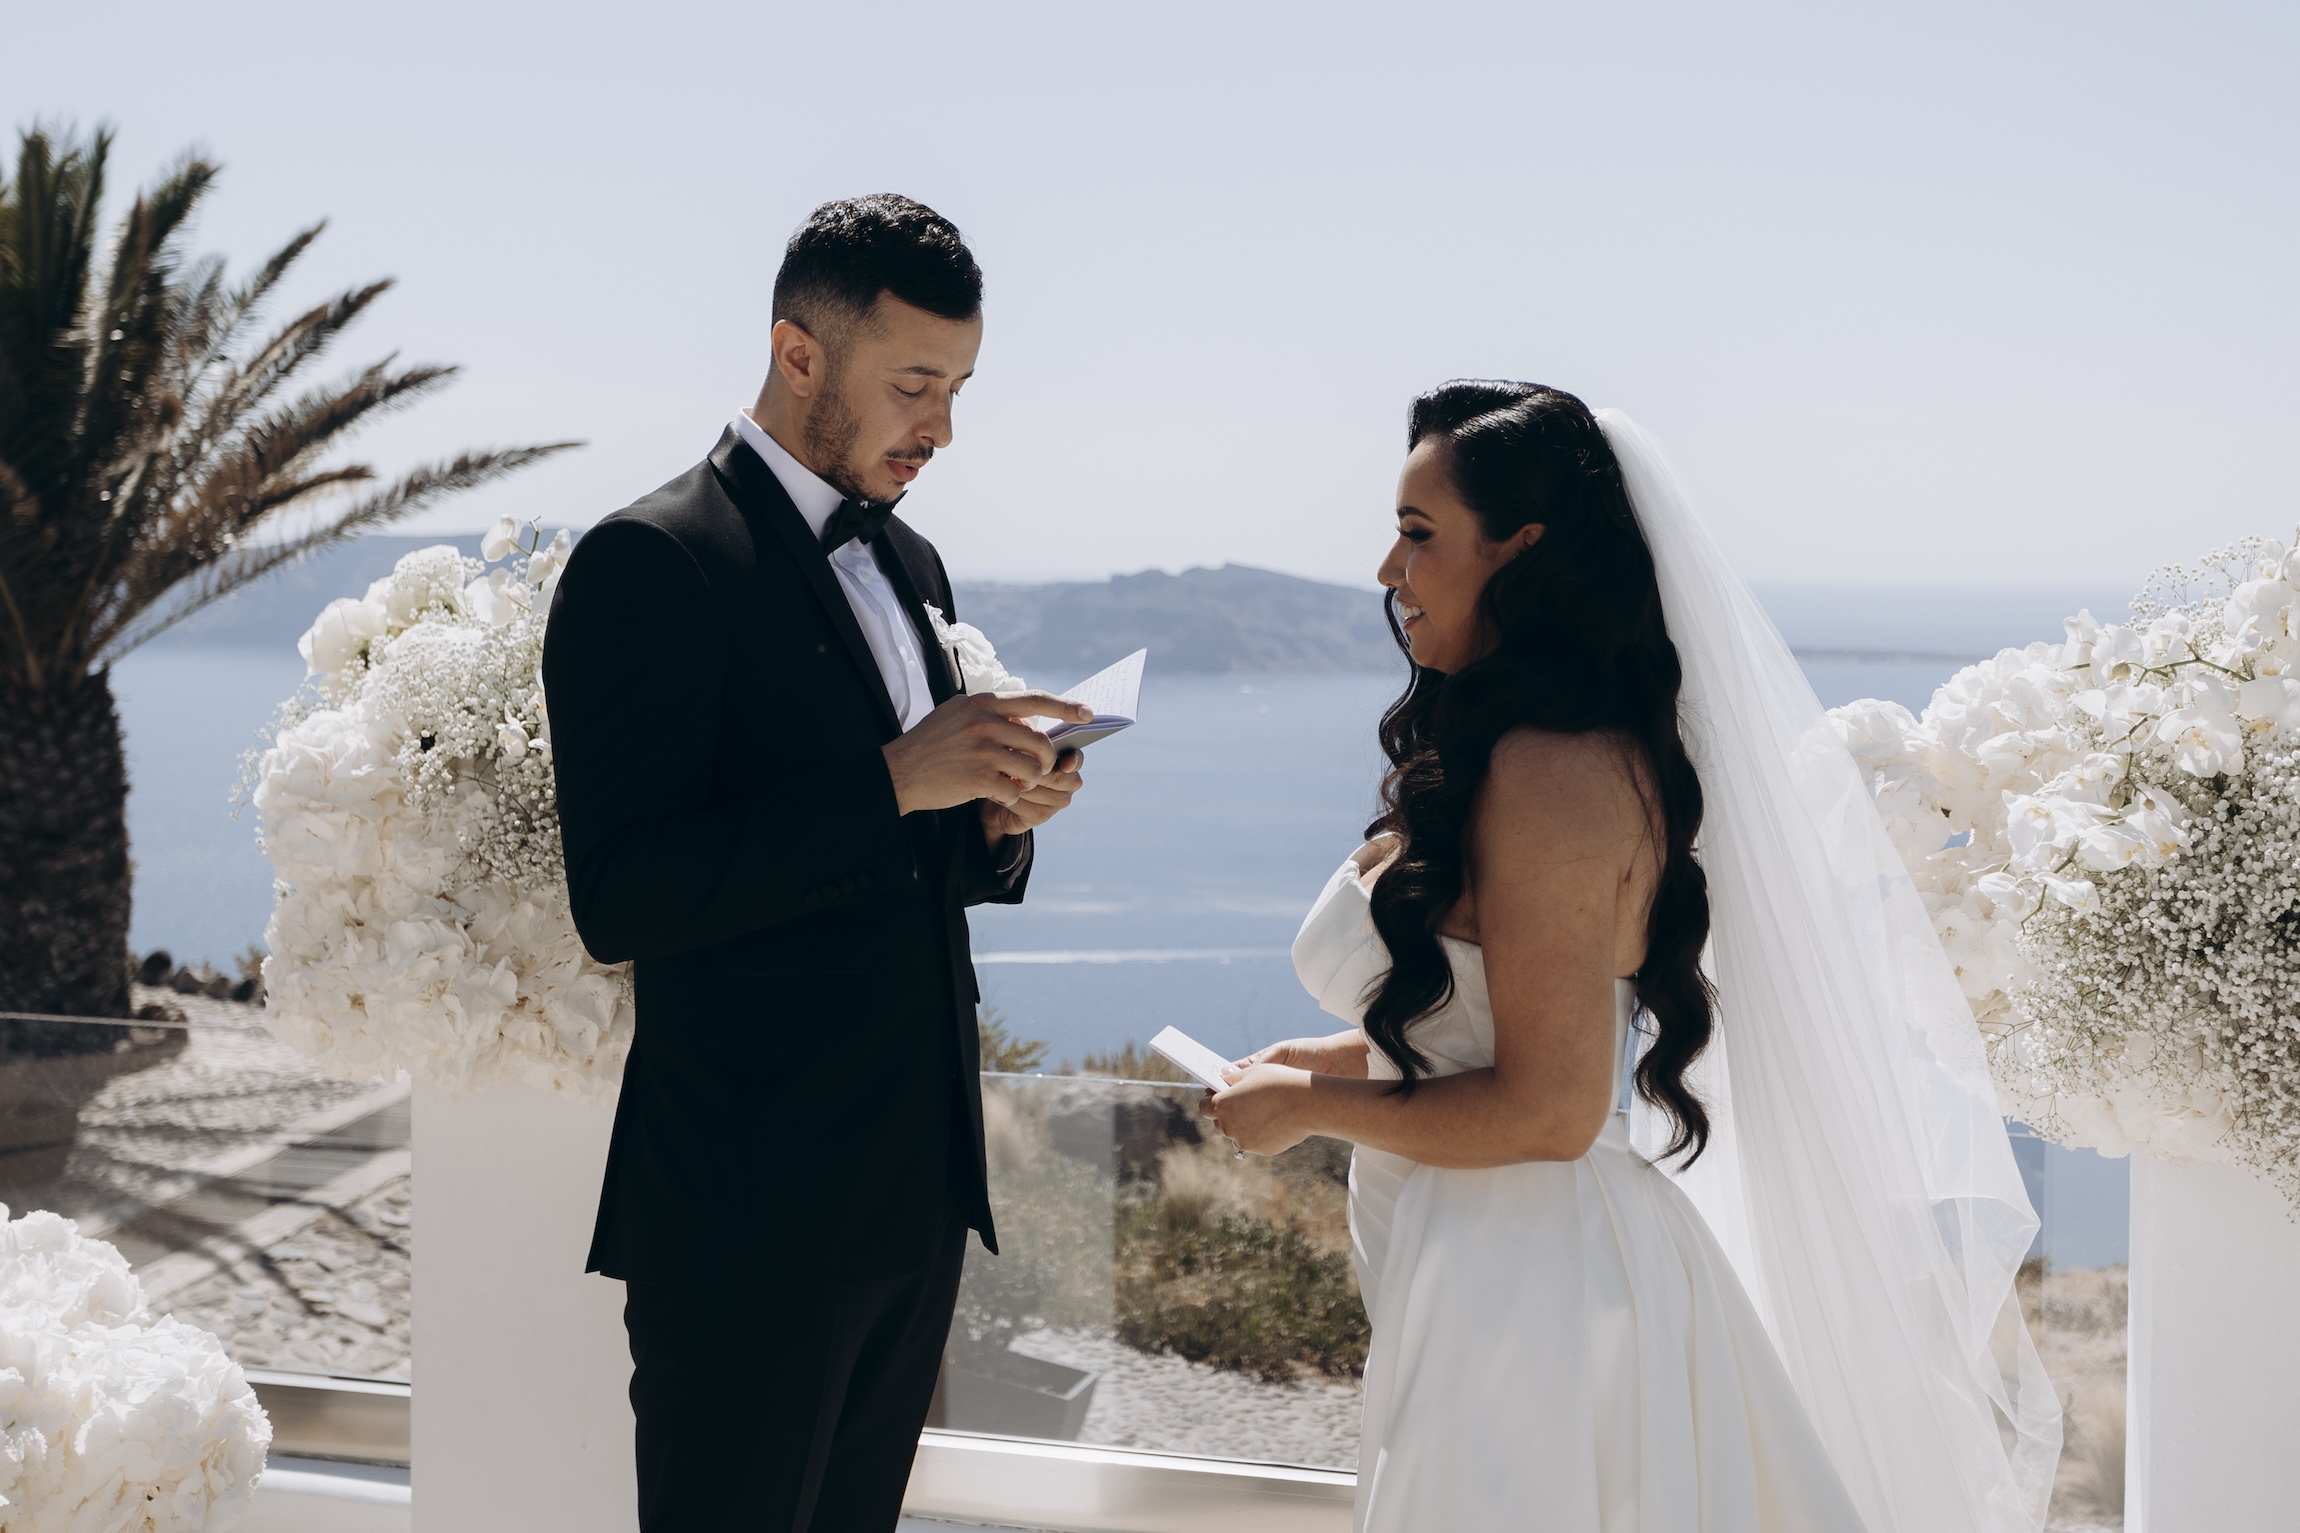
935 430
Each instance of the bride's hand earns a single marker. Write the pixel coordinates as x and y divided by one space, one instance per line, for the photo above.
1265 1108
1342 1053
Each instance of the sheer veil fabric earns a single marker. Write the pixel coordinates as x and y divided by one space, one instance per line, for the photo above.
1861 1180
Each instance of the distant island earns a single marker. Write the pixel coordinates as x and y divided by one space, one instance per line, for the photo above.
1234 618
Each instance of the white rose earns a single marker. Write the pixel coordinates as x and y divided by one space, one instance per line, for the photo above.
979 668
342 633
422 580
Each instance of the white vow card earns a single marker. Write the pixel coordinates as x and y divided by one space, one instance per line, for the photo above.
1193 1056
1115 695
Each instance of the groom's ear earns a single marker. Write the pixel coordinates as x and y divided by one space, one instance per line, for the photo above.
800 360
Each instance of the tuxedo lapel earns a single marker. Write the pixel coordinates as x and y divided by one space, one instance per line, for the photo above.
760 496
893 553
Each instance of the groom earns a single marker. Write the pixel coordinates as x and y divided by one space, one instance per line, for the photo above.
778 801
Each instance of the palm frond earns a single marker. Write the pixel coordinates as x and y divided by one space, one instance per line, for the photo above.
226 319
149 437
218 415
411 493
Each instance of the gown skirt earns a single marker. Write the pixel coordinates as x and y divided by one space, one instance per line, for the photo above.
1558 1347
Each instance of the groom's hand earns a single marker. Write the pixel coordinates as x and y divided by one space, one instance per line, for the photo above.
977 747
1040 801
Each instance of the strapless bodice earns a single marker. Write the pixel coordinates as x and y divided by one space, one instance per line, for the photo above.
1339 956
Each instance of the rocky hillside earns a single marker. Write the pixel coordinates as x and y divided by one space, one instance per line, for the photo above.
1228 619
1235 618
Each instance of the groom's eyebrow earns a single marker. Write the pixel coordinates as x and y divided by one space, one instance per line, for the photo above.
921 370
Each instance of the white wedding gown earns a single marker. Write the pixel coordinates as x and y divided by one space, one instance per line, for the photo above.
1558 1347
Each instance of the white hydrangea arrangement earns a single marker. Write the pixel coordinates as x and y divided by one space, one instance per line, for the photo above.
409 811
112 1421
2106 832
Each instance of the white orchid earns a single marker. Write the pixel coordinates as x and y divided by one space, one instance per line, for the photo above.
498 597
547 564
2270 704
2117 652
2078 894
2205 737
502 540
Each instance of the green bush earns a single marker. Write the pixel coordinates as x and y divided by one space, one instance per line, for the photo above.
1238 1292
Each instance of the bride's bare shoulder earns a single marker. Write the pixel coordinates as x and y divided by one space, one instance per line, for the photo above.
1566 786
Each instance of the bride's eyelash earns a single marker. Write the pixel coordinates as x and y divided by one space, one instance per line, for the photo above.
1414 534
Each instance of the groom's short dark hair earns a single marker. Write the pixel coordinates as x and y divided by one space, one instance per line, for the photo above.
849 252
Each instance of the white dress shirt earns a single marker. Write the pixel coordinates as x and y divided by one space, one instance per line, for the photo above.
878 611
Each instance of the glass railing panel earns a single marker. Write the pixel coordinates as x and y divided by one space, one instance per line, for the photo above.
1152 1291
2074 1291
255 1196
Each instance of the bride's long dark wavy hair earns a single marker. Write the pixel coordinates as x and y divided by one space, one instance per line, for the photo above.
1580 647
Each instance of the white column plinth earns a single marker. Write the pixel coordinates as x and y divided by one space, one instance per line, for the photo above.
2214 1379
521 1419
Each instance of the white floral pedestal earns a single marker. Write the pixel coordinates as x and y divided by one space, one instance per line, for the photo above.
521 1419
2214 1378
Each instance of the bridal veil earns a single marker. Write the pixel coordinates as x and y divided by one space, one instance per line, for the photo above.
1860 1176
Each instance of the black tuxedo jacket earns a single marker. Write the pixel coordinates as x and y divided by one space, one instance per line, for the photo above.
804 1073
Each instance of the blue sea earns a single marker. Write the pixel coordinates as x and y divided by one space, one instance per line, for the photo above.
1168 894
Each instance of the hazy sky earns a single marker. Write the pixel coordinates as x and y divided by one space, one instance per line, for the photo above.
1997 293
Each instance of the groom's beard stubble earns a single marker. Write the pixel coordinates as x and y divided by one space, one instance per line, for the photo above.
831 432
830 435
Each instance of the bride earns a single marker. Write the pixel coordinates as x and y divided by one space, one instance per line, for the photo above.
1642 1256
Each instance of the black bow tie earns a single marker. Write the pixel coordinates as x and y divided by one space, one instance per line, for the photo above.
861 520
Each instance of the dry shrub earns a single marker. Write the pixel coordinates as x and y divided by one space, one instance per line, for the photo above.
1240 1293
2078 1317
1005 1142
1131 1063
1244 1264
2092 1455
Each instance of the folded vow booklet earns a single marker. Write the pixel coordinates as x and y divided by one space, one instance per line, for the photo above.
1115 695
1193 1056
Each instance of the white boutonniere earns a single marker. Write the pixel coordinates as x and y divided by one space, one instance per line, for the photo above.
971 658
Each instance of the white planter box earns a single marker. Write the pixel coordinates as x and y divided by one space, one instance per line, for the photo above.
2213 1442
522 1417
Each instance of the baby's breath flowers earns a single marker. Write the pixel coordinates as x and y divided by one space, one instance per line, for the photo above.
408 809
2106 832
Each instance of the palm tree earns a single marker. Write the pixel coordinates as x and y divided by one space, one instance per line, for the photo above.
152 459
